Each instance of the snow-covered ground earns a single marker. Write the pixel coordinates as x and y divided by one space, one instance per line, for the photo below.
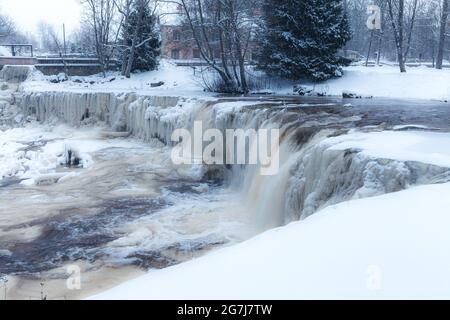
426 147
384 81
391 246
178 81
387 81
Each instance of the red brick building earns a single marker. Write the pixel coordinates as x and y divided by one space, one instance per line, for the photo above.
177 40
179 44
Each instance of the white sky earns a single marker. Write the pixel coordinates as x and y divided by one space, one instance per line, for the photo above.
27 13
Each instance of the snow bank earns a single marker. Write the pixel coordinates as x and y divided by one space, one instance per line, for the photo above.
388 247
426 147
178 81
387 81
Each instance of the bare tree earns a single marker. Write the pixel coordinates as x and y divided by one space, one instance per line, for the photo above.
237 30
101 16
83 40
201 31
124 7
421 21
47 35
7 26
222 30
398 30
402 30
442 33
57 43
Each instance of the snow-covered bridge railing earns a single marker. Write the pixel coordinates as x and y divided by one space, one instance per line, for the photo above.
76 66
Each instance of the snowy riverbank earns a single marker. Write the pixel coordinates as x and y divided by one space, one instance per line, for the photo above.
379 82
387 81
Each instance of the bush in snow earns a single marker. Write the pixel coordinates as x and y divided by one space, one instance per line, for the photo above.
301 38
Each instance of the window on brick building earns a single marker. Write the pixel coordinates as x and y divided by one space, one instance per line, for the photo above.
196 54
175 54
176 35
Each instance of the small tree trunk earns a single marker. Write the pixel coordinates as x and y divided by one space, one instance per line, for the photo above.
131 58
235 73
125 50
243 76
124 62
132 50
433 52
401 58
223 54
380 48
398 28
370 48
440 56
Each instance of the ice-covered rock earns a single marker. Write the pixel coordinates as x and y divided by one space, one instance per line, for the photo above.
354 95
72 157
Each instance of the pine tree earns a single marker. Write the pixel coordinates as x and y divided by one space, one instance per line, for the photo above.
142 38
301 38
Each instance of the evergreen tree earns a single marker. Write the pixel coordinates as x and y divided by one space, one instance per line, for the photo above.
142 38
301 38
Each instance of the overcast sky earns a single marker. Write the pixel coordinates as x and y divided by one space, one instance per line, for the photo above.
27 13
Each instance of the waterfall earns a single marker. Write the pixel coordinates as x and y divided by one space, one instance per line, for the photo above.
311 175
145 118
15 73
10 78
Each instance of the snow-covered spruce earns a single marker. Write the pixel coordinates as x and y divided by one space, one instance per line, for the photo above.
300 39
